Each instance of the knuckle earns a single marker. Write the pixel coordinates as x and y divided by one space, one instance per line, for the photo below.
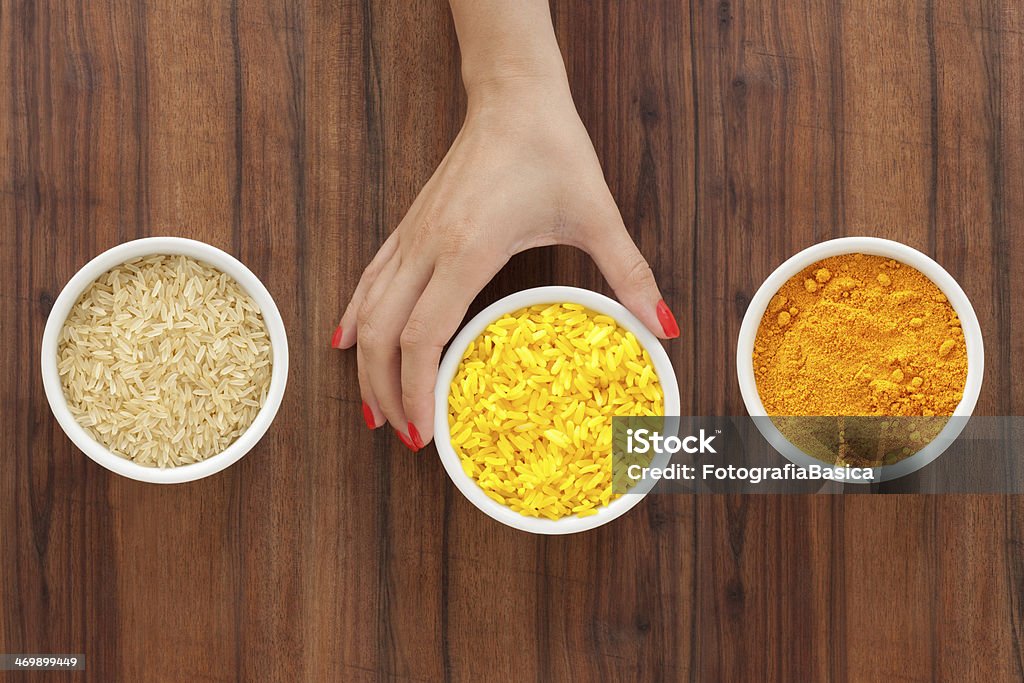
416 333
410 396
638 272
373 268
364 312
457 240
420 232
368 333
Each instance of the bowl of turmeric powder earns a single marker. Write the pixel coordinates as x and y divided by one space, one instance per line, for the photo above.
862 352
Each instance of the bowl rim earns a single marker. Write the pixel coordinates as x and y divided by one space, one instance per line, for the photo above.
596 302
122 253
874 246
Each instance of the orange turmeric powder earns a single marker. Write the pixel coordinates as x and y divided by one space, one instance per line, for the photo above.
860 335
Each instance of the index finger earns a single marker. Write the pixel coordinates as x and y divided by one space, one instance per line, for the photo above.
433 321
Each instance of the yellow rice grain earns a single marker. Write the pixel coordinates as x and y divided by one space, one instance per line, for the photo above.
532 402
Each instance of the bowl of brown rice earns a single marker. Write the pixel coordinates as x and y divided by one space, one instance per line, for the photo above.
164 359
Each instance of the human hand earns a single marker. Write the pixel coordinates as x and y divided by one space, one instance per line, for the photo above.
521 173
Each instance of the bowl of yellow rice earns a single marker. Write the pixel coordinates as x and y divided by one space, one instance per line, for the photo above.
524 402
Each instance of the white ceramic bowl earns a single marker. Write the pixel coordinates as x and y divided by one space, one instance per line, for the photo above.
877 247
449 365
145 247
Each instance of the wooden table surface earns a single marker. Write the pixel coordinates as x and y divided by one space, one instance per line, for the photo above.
294 134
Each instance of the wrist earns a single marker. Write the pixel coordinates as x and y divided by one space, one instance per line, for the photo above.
516 84
509 50
514 75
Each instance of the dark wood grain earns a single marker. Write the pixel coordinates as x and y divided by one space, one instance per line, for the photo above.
294 134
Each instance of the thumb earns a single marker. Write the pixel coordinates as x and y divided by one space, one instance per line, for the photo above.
629 274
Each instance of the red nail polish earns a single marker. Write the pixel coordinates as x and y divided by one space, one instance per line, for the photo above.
368 416
403 439
336 339
414 434
667 320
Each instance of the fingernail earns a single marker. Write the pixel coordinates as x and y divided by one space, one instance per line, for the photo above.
336 339
368 416
414 434
403 439
667 320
